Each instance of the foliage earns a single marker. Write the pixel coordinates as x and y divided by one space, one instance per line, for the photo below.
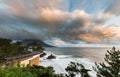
19 48
40 71
112 68
5 47
9 48
29 71
35 46
15 72
76 68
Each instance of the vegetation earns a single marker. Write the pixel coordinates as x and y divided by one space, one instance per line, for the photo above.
5 47
29 71
76 68
10 48
35 46
111 67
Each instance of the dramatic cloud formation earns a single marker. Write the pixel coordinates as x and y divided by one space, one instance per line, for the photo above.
114 7
49 20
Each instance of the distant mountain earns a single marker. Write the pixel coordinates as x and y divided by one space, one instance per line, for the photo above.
27 41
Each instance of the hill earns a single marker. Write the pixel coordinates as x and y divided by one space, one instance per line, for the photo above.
27 41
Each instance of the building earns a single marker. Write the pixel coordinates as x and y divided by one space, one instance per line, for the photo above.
31 59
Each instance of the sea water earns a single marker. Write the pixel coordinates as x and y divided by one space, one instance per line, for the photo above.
86 56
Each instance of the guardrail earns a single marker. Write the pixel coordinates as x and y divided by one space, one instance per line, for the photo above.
7 59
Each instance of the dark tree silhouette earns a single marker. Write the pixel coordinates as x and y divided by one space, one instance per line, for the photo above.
76 68
112 68
35 46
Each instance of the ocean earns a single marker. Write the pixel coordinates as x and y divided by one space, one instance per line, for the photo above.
83 55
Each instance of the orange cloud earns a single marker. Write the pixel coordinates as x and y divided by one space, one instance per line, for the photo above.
51 16
89 38
76 25
101 34
110 32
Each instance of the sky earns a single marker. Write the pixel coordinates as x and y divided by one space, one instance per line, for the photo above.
62 23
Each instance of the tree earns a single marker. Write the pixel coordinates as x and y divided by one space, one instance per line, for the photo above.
9 48
76 68
112 69
35 46
5 47
29 71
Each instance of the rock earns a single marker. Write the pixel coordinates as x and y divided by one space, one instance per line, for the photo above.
51 57
43 54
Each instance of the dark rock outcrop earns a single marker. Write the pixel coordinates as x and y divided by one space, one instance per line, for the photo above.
43 54
51 57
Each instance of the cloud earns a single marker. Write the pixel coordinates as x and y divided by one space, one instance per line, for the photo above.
101 18
56 20
101 34
21 7
114 7
95 34
14 33
91 31
42 19
53 17
57 42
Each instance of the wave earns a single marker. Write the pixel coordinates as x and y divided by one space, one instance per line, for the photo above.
62 61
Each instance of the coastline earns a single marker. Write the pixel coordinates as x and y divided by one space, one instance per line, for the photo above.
62 61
